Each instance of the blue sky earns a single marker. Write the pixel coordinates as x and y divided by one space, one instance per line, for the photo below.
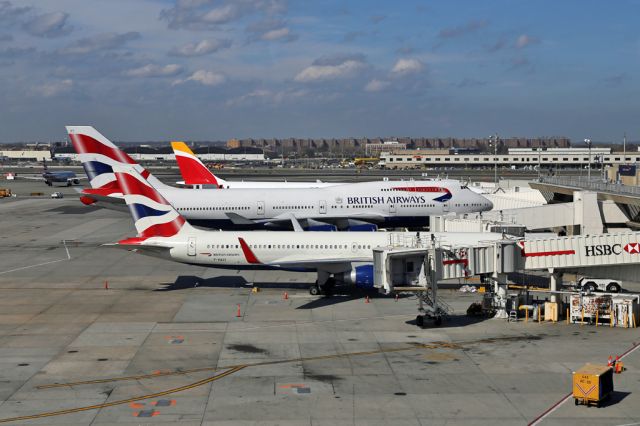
216 69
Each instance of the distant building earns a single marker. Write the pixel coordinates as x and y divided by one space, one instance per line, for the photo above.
376 148
560 151
27 155
165 153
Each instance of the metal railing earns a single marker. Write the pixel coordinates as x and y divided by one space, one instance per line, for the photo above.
595 184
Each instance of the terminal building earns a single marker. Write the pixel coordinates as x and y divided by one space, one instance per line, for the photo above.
516 157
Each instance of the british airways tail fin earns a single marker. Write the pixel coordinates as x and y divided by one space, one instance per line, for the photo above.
99 155
193 171
152 214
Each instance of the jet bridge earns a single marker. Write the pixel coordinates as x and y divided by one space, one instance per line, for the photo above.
615 256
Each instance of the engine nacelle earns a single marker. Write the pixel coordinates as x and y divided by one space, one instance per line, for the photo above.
322 228
364 227
360 276
87 201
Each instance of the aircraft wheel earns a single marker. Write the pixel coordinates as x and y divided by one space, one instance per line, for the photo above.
438 321
314 290
420 321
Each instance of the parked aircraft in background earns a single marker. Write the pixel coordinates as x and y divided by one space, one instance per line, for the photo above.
338 257
196 174
355 206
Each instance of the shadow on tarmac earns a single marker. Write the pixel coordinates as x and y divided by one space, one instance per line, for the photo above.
451 321
615 398
184 282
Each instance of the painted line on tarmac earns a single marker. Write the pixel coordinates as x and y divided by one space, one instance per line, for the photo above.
433 345
41 264
557 405
124 401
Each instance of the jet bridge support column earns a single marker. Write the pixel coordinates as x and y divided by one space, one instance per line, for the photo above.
554 279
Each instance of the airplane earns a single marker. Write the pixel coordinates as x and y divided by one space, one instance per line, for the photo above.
337 258
65 177
359 206
197 175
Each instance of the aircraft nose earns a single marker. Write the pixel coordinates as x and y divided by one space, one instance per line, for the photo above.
487 204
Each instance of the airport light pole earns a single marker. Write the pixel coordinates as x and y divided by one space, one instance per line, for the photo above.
494 139
588 142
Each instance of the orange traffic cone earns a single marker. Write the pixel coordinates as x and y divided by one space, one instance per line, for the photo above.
239 314
285 296
610 362
366 300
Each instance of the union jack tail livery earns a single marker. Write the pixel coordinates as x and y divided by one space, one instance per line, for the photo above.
98 156
192 169
152 214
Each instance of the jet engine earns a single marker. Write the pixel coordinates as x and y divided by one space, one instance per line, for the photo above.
360 276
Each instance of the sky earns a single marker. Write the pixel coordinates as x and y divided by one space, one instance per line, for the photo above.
218 69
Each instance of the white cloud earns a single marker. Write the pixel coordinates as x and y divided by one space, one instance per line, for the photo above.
201 48
204 77
276 34
153 70
271 30
376 85
331 68
49 25
54 88
264 96
222 14
407 66
105 41
211 14
525 40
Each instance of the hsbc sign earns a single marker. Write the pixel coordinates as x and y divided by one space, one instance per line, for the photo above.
609 249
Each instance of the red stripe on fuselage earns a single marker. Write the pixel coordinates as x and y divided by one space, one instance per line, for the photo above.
421 189
84 144
248 254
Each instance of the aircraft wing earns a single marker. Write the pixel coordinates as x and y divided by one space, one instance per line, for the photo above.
333 219
39 178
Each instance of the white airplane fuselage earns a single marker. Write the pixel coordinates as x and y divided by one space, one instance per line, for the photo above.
335 251
385 203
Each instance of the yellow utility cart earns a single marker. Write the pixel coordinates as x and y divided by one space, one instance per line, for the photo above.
592 384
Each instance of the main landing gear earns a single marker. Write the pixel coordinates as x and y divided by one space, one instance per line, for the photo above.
326 289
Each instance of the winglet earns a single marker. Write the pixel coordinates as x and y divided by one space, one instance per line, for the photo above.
193 171
248 254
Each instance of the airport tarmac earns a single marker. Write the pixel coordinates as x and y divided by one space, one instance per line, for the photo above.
164 342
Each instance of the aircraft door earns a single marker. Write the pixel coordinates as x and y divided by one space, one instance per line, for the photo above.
445 207
323 207
392 208
191 246
354 247
260 208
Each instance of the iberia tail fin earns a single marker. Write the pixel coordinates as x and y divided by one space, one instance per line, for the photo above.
193 171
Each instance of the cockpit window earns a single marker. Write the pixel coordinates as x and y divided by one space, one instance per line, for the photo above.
464 187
